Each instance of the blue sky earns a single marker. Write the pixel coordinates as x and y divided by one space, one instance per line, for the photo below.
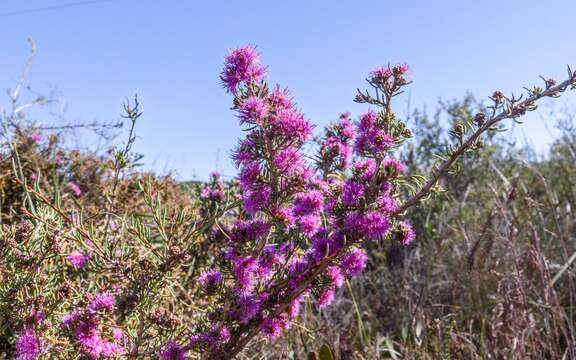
170 52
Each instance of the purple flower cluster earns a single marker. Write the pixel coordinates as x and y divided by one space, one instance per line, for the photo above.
36 137
373 138
77 259
369 225
381 74
172 351
352 192
252 110
28 344
407 234
288 161
214 190
394 166
273 327
215 194
335 149
290 125
85 326
212 340
249 230
354 262
242 67
210 281
296 223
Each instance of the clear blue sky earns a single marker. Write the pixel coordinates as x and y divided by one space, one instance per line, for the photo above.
170 53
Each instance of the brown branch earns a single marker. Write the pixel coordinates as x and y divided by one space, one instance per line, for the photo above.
465 145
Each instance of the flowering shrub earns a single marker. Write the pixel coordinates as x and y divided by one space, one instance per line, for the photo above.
158 280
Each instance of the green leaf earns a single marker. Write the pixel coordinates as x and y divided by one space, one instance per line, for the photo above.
325 353
390 348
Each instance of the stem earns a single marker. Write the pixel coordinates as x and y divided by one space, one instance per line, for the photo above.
438 173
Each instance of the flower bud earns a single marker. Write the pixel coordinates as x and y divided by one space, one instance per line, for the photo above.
497 96
479 119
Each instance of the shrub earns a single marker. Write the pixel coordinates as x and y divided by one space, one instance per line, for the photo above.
102 261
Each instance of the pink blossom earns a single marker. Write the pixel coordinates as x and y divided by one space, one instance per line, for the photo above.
372 137
77 259
252 110
326 297
353 263
36 137
172 351
394 165
74 188
335 276
28 346
242 66
369 225
103 301
407 233
381 73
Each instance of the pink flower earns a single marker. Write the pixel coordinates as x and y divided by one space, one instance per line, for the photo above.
242 66
344 128
256 199
372 137
387 203
353 263
294 308
279 99
252 110
286 215
308 203
210 281
407 233
288 161
91 341
335 276
97 347
401 69
273 327
28 346
364 169
380 73
242 154
395 166
244 269
172 351
118 335
352 193
77 259
246 308
291 124
326 297
36 137
103 301
252 230
309 224
369 225
74 188
249 175
383 73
